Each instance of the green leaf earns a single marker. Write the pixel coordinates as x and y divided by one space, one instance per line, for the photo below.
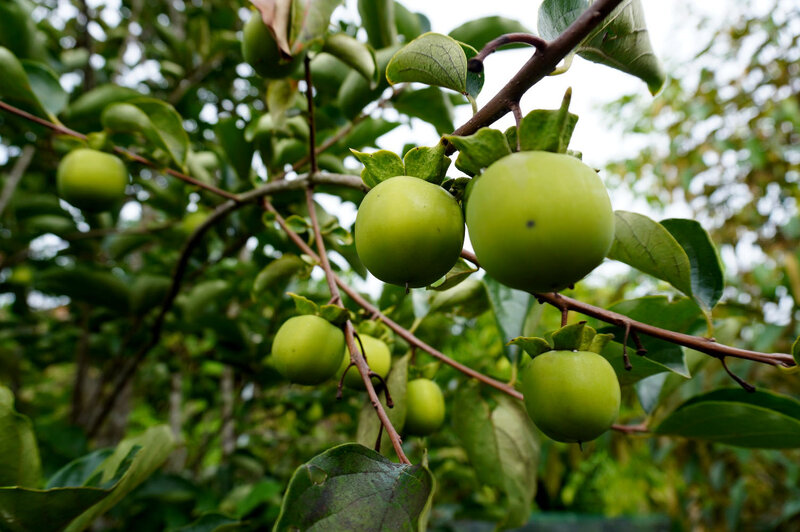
19 454
430 104
733 416
571 337
468 299
708 279
349 485
548 130
378 18
430 164
334 314
155 444
238 151
477 33
78 472
433 59
303 304
502 447
45 85
368 422
532 345
355 54
796 350
479 150
410 25
14 84
204 297
148 292
682 315
94 287
647 246
279 271
367 132
133 461
92 103
460 272
510 309
213 522
309 22
379 166
167 128
621 41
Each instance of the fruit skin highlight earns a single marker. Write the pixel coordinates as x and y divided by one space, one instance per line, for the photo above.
424 407
539 221
572 396
379 359
91 180
409 231
307 349
261 52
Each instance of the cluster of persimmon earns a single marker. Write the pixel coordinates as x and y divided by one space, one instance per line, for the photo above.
538 221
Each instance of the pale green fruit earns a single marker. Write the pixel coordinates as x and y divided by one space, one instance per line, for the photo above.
539 221
424 407
379 359
307 349
409 231
91 180
572 396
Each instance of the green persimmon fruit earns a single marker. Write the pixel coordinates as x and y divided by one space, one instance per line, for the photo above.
379 359
261 52
307 349
539 221
408 231
424 407
572 396
91 180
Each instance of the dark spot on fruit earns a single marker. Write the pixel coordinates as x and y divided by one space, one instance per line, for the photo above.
530 224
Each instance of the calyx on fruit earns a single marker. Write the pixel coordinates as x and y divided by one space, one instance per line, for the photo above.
571 392
261 52
408 231
424 407
307 349
539 221
91 180
379 359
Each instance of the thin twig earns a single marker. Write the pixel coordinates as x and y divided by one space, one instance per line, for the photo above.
15 176
740 381
476 63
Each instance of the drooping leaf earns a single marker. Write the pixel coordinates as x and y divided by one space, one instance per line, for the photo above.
479 150
348 485
647 246
309 22
90 286
460 272
708 279
19 453
14 83
468 298
379 166
46 87
734 416
148 292
510 309
621 41
238 150
430 164
278 272
378 18
548 130
502 447
681 315
355 54
433 59
92 103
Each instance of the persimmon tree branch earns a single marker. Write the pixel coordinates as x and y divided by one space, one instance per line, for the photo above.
540 65
704 345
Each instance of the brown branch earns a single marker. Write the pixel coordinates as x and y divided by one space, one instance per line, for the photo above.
540 65
476 63
704 345
356 356
59 128
398 329
631 429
